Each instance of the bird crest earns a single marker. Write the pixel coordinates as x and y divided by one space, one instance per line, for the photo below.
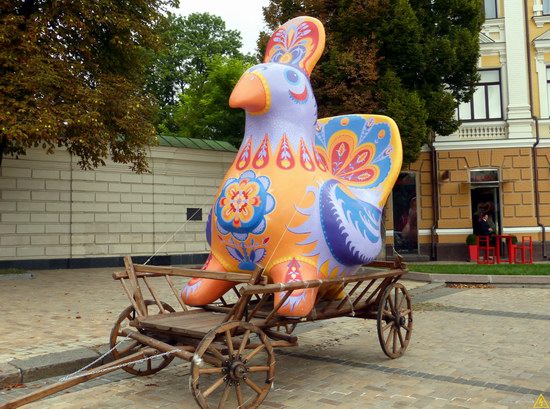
299 42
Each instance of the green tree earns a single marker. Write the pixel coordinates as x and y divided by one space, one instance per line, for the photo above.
203 110
413 60
72 75
190 43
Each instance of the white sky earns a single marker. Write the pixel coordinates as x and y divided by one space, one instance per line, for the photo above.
242 15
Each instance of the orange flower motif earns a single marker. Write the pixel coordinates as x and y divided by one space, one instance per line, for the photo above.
239 202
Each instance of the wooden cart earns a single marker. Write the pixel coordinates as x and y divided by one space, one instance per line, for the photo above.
229 343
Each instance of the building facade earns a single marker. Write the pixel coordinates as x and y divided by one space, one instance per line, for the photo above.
499 159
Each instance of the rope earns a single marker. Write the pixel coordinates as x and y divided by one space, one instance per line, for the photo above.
111 368
176 232
73 375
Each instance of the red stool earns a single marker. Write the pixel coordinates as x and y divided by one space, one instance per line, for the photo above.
526 245
485 252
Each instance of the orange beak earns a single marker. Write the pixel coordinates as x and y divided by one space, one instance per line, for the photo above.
250 94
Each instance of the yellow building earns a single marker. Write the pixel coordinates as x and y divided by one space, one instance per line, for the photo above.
499 160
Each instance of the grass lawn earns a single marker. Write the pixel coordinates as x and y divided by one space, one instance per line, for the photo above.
12 271
488 269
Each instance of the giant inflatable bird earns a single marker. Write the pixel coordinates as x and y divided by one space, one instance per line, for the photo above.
304 197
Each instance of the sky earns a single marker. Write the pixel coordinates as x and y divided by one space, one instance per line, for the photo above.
242 15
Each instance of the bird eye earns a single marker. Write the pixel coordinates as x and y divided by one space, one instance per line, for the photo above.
292 76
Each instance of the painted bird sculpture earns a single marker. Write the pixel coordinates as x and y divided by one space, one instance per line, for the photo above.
304 197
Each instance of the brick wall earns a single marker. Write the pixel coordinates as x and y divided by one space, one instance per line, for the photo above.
51 209
517 189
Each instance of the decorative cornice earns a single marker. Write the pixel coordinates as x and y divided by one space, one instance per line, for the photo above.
541 20
485 39
484 144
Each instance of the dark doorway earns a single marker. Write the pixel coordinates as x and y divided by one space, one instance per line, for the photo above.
405 230
485 199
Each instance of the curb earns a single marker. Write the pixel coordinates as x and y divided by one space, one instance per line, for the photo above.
520 280
22 276
20 371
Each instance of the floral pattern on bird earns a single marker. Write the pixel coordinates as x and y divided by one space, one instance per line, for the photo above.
293 44
243 204
244 157
261 159
247 253
285 156
293 274
358 150
305 157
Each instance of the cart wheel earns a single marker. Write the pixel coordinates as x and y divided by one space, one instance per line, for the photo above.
394 320
131 346
234 365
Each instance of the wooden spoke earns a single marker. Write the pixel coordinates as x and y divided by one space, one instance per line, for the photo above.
394 313
258 369
392 307
125 320
388 325
212 349
224 397
251 383
401 303
234 370
213 387
229 343
125 350
390 335
239 395
401 340
244 342
389 314
255 352
210 371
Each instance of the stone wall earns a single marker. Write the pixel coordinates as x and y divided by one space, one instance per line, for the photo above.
50 209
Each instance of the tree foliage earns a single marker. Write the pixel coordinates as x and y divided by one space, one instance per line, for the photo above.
413 60
190 44
72 75
203 110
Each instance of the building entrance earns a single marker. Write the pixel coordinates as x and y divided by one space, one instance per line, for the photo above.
485 200
405 232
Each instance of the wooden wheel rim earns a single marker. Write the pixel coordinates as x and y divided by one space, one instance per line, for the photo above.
394 320
153 365
234 377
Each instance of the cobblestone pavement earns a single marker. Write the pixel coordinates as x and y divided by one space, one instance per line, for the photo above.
471 348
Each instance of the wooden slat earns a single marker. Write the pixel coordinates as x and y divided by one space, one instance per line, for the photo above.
136 290
348 295
154 294
297 285
129 295
279 305
188 272
258 306
176 293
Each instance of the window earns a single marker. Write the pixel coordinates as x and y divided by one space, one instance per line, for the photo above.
546 7
486 102
548 85
491 8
